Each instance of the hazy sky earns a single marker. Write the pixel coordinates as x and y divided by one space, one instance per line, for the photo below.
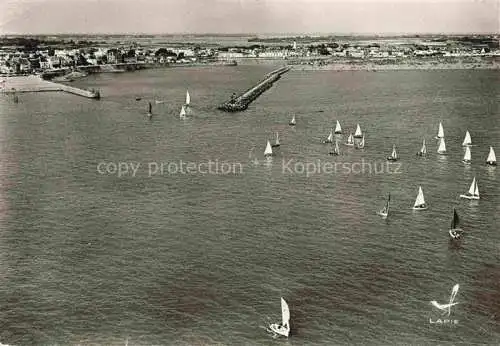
249 16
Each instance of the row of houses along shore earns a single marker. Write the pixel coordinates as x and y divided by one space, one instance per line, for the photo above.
19 55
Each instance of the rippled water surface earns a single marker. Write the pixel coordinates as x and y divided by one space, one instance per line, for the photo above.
172 259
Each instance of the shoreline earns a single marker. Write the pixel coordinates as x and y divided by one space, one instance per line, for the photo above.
339 67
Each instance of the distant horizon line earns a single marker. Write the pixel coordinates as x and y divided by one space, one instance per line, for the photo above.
276 34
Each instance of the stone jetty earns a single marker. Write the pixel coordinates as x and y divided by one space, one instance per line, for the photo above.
240 103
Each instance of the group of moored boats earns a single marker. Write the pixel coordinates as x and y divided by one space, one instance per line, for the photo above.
472 194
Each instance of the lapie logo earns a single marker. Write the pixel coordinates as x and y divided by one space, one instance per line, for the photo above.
446 308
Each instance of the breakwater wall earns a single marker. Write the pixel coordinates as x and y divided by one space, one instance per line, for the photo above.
28 84
240 103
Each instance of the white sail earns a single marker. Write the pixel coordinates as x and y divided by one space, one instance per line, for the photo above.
188 98
476 190
420 198
277 139
440 131
292 122
442 146
491 156
338 129
183 112
337 150
358 131
330 136
350 139
394 154
467 139
472 187
285 313
467 155
269 150
423 150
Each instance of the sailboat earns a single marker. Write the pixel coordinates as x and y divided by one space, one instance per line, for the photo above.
269 151
467 156
188 99
282 328
358 133
384 212
492 159
473 192
338 129
394 154
423 150
442 146
467 139
150 109
350 140
292 122
182 114
330 138
455 232
440 131
335 151
361 144
420 201
277 143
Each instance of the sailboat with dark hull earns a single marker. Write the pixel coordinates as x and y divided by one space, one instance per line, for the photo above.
335 149
455 232
423 150
150 110
394 155
277 143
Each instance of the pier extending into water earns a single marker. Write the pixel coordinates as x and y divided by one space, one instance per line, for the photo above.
25 84
240 103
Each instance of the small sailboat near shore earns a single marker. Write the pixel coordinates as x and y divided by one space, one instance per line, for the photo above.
150 110
338 129
385 211
442 146
394 154
467 156
420 201
423 150
455 232
282 328
269 151
335 150
467 140
330 138
473 192
440 131
292 122
491 159
350 140
358 133
277 142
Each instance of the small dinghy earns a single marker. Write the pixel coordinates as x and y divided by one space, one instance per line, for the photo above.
338 129
277 143
350 140
492 159
473 192
292 122
455 232
420 201
182 114
423 150
467 156
394 154
385 211
282 328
